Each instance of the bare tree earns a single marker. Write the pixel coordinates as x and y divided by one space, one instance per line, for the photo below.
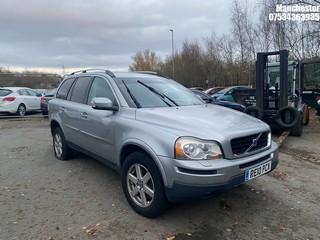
146 61
189 65
300 37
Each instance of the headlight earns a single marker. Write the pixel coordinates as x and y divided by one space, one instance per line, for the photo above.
197 149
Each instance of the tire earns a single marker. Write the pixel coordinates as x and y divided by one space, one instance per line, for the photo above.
60 146
306 114
297 129
254 111
143 186
21 111
292 113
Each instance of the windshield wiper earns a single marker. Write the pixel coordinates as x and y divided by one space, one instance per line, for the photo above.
162 95
131 95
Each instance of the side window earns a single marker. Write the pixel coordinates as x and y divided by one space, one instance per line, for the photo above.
23 92
64 88
80 89
100 88
32 93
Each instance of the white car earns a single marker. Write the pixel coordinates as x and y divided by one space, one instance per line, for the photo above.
19 100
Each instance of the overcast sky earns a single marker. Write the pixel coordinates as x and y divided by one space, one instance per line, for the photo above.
94 33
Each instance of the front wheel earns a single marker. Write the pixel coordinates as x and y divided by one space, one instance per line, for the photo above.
60 146
143 186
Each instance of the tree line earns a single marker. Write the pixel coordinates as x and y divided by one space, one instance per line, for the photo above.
31 79
230 59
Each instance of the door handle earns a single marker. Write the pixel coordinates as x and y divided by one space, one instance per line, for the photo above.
83 115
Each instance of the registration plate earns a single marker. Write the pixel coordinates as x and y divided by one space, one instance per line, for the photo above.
257 171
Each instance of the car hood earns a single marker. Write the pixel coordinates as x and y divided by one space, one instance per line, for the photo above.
205 121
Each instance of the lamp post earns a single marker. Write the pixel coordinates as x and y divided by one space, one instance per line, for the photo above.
172 55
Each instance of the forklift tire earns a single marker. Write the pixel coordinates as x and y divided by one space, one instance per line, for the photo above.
297 129
306 114
282 113
254 111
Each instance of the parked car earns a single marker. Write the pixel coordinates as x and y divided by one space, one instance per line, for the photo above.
230 93
45 99
208 99
42 91
198 88
19 100
213 90
166 143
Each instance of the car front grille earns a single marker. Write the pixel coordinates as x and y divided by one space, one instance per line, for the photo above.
250 143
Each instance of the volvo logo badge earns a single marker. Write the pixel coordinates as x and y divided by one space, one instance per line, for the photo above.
254 143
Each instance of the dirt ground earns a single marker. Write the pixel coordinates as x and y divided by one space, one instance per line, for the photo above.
44 198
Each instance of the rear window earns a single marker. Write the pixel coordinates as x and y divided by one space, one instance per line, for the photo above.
64 88
5 92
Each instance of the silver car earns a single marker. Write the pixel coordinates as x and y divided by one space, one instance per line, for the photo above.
166 143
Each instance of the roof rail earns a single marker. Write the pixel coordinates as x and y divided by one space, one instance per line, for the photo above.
111 74
153 73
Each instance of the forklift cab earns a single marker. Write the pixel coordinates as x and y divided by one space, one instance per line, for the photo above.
273 82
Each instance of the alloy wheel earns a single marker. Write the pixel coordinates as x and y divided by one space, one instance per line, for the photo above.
58 148
140 185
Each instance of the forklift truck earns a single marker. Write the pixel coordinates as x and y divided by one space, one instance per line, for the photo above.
278 95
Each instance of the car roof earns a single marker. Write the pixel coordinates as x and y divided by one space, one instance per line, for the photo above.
14 88
115 75
136 75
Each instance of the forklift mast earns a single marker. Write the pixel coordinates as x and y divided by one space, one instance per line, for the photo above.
271 97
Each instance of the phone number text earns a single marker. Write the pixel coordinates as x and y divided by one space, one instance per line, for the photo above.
294 16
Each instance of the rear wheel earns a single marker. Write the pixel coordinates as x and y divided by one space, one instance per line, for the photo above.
21 111
254 111
60 146
44 113
143 186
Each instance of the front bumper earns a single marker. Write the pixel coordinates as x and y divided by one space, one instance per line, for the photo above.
202 179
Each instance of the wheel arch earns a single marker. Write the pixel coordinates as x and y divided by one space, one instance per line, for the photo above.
24 105
54 125
139 146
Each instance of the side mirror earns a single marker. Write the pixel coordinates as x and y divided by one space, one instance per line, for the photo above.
103 103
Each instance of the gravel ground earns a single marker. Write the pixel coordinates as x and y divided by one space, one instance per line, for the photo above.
44 198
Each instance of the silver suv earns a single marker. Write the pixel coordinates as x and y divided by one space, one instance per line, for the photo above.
166 143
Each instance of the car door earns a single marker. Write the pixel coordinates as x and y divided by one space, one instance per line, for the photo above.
70 109
65 111
97 126
25 98
34 99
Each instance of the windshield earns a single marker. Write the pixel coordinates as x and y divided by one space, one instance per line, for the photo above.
150 93
225 90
